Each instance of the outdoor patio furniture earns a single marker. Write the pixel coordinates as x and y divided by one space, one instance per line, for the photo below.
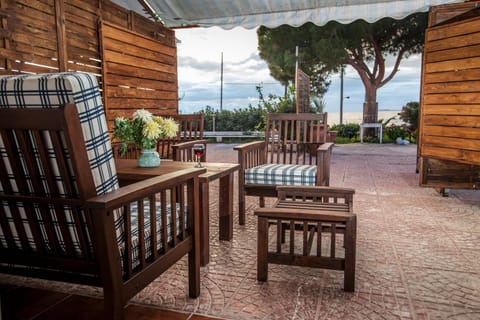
129 172
63 216
190 133
284 157
315 220
177 148
377 126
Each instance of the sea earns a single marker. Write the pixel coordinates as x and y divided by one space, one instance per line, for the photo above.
357 117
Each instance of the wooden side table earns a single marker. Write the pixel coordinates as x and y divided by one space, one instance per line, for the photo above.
312 219
129 172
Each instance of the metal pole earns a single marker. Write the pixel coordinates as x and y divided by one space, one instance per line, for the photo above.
296 66
221 84
341 95
297 102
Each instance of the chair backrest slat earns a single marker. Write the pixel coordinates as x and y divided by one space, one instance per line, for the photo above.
291 138
190 129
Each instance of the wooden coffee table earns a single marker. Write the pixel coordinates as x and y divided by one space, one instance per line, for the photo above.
128 172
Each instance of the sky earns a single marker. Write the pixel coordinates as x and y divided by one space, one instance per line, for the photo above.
199 75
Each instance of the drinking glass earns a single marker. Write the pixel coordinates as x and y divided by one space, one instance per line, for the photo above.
198 150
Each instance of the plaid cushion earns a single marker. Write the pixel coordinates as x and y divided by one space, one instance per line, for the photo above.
282 174
53 91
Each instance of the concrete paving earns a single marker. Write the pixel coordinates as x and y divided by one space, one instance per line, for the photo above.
418 253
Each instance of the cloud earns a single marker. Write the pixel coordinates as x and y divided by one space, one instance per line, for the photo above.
199 74
193 63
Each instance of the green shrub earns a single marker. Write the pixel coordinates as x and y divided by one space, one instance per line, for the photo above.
246 119
349 130
394 132
409 115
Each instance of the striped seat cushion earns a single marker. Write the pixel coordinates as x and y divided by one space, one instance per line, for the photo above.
282 174
147 231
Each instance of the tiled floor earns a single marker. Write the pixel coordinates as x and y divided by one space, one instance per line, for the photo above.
418 255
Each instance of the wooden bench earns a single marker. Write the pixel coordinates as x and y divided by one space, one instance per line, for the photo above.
63 215
313 219
284 157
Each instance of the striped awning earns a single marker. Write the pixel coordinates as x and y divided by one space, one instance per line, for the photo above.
272 13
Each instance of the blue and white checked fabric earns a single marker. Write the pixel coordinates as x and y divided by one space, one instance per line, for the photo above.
147 232
53 91
282 174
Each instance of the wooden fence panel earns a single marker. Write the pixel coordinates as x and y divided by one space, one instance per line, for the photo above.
139 56
28 44
450 106
302 93
152 87
81 36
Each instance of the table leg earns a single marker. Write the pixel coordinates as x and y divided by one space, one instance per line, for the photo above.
204 224
225 208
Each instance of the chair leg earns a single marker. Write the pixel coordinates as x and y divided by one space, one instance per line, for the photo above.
241 205
261 202
113 306
350 252
194 270
262 249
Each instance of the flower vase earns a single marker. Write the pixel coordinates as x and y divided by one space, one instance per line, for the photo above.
149 158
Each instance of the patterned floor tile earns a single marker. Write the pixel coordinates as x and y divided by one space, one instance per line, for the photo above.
417 253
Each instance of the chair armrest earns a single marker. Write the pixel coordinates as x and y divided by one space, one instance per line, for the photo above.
327 197
303 214
142 189
290 191
183 151
324 153
324 148
251 154
250 146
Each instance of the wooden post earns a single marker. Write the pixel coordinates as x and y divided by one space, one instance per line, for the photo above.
61 36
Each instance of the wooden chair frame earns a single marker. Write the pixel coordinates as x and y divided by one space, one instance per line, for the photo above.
288 140
96 260
180 147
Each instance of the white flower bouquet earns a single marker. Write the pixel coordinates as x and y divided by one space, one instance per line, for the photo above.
144 129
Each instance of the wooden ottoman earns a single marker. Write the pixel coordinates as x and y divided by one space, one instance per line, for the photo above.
318 218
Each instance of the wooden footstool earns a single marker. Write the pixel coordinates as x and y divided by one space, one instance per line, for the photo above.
316 218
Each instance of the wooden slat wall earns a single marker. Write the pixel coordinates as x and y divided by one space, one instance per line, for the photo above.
81 36
302 94
28 44
41 36
138 71
450 106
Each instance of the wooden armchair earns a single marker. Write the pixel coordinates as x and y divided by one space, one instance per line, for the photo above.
284 157
62 214
190 133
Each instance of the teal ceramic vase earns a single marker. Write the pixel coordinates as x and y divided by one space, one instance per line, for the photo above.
149 158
